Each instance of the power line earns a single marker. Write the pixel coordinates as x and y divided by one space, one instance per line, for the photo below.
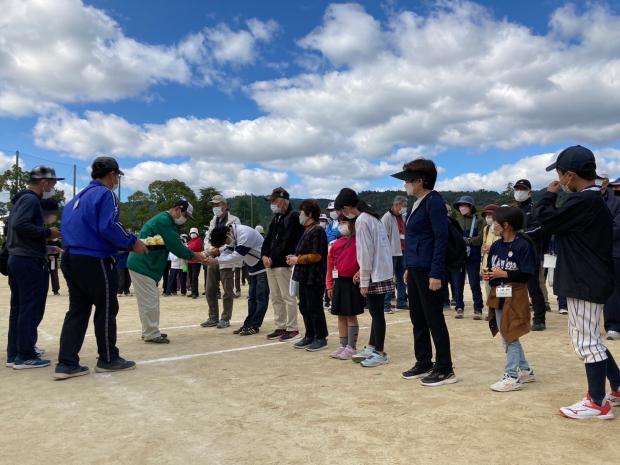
28 155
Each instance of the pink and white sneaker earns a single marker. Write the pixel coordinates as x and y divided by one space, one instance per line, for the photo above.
336 353
347 353
586 409
614 398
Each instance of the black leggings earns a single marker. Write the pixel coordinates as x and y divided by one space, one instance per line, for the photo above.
377 326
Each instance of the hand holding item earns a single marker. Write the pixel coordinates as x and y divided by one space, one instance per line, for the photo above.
434 284
140 247
292 260
211 261
497 273
486 274
554 187
54 233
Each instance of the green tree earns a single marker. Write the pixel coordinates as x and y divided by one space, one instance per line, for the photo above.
8 180
137 210
165 193
506 197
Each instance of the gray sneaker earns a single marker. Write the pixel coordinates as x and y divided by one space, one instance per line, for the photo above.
363 354
613 335
211 322
223 324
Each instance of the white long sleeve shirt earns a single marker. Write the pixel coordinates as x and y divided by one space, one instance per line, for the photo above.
246 248
232 219
373 250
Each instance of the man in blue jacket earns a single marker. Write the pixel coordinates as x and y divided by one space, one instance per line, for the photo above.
92 234
28 273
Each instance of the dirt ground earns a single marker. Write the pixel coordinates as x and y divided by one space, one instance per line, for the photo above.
211 397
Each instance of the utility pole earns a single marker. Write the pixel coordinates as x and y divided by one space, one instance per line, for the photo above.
251 209
74 176
17 171
119 189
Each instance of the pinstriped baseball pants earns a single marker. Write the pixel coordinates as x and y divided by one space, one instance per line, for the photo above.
584 330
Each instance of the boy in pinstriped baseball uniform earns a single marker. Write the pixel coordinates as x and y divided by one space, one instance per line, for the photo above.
584 273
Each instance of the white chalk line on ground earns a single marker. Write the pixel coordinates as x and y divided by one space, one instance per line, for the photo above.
178 358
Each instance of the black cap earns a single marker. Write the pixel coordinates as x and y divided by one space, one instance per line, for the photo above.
186 207
523 183
278 193
407 175
104 165
575 158
43 172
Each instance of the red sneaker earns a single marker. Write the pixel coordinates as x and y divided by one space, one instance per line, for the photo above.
277 334
289 336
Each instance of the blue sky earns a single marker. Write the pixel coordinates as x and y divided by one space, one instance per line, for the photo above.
313 95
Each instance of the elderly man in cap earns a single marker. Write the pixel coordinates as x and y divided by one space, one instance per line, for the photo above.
147 270
27 266
472 233
611 194
536 288
394 222
223 272
92 234
281 240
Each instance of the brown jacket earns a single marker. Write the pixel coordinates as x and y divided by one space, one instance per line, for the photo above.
515 321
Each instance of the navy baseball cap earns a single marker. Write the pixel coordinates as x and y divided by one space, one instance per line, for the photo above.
574 158
104 165
523 183
407 175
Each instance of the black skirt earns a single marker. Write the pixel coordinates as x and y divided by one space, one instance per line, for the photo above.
346 298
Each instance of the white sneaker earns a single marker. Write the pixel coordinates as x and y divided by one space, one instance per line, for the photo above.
363 354
563 311
527 376
586 409
507 384
613 335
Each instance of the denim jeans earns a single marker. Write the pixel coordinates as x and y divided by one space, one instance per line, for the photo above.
515 357
29 282
172 281
472 269
401 289
258 300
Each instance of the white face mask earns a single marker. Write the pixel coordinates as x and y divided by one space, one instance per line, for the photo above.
598 182
275 209
409 189
465 210
489 220
303 218
193 235
350 216
217 211
48 194
344 229
323 224
333 215
521 196
180 221
403 211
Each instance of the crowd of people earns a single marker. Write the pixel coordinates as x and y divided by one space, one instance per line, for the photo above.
348 259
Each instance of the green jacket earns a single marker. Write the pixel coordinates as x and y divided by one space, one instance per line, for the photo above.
153 264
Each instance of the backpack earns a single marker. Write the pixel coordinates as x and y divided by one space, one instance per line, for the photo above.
456 250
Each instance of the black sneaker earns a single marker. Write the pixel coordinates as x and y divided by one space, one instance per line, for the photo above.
249 331
158 340
317 344
305 342
477 315
439 378
211 322
289 335
239 331
120 364
459 313
417 371
277 334
63 371
538 326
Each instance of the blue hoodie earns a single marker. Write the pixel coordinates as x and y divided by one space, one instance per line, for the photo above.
90 224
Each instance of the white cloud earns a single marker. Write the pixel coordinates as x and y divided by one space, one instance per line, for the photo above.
62 51
230 178
348 35
530 167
